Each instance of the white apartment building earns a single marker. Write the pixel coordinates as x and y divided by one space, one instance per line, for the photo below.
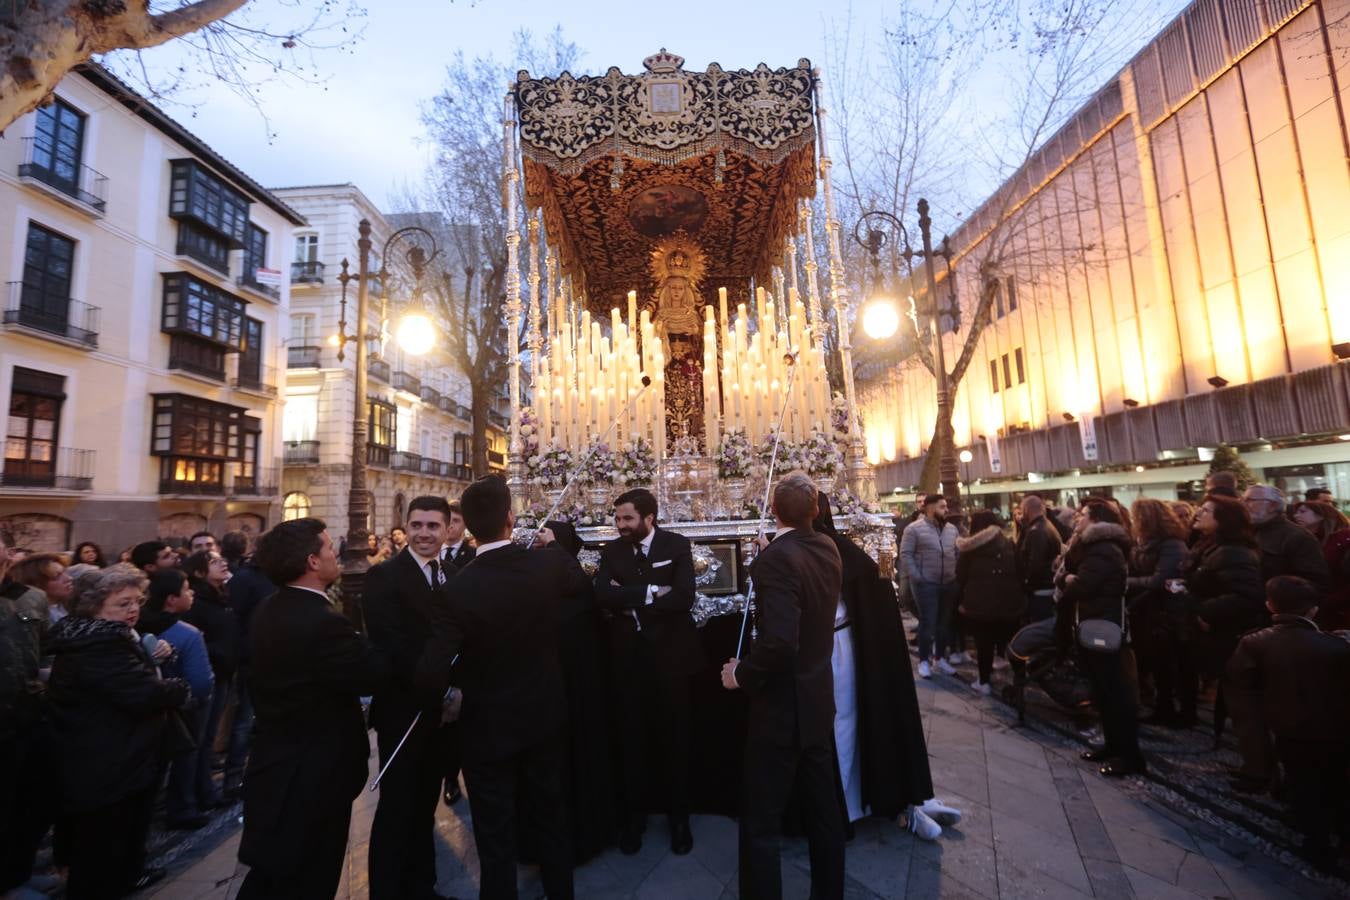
142 321
417 409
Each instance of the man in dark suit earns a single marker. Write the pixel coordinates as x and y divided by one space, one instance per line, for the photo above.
457 552
646 582
788 677
501 624
308 670
399 597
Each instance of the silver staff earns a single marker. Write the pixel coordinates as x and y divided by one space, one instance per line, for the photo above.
580 467
791 359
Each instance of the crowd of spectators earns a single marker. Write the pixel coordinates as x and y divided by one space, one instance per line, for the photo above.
1242 600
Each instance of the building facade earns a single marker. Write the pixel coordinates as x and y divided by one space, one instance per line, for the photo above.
141 327
1172 271
417 408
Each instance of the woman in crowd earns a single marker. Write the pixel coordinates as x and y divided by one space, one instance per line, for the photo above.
170 597
1092 586
207 573
110 711
89 553
992 602
1159 620
48 573
1329 525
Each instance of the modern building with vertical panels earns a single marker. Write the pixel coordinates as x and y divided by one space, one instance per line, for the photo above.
1175 274
141 328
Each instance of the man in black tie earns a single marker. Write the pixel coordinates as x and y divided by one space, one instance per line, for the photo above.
308 669
501 623
458 549
790 682
399 597
646 582
457 552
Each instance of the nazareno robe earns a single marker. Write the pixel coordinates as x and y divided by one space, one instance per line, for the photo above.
892 750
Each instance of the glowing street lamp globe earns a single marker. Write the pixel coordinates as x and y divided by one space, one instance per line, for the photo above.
966 456
881 319
416 334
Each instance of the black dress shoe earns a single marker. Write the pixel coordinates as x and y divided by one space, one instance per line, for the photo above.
681 838
630 841
1097 754
147 878
452 795
1119 768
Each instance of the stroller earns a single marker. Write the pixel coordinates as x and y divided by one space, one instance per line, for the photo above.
1035 659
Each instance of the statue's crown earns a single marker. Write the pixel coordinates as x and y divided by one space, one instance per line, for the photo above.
663 62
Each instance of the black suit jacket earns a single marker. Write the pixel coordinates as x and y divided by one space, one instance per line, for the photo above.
308 670
667 628
787 672
502 619
398 603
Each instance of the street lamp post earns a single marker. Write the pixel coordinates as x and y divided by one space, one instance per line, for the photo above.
966 457
354 561
881 320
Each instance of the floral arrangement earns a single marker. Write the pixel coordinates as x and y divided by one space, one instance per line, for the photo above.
548 467
573 512
791 456
734 457
635 463
821 454
846 503
529 433
599 464
839 417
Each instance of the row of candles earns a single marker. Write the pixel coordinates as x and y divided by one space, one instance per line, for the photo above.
587 378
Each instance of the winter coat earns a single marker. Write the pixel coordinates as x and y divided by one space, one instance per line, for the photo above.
1302 675
248 588
1096 555
986 570
1333 613
1289 549
1224 583
218 626
1038 546
109 712
1154 610
929 552
23 621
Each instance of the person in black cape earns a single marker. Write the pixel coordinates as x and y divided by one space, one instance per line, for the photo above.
895 774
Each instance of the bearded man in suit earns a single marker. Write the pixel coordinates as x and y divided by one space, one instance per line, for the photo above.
646 582
789 679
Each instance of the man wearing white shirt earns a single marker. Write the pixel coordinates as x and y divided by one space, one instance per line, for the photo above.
646 582
458 548
399 599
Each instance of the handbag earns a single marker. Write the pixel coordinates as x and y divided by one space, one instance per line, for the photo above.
1100 635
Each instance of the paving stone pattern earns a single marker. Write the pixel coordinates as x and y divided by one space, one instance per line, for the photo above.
1038 823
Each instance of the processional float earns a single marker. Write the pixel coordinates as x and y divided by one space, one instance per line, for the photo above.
668 235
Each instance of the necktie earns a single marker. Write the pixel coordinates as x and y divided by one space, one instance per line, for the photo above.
434 571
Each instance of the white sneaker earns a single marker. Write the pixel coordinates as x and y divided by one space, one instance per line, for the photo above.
945 667
925 671
957 658
981 687
941 812
1000 663
924 828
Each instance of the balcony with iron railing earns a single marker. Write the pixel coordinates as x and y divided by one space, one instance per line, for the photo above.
498 419
461 472
403 461
430 395
249 281
430 467
64 318
73 181
305 356
496 458
406 381
260 482
301 453
262 382
307 272
445 404
72 470
378 455
378 368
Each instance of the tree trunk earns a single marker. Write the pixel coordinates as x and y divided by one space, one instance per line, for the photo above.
42 40
482 403
930 477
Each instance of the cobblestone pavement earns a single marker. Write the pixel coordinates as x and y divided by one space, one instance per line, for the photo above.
1038 823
